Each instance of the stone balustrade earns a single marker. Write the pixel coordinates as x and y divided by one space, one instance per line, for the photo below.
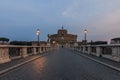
111 51
9 52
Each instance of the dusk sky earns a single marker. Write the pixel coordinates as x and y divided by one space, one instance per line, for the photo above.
19 19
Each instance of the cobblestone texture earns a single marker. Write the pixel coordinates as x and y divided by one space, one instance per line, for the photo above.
62 65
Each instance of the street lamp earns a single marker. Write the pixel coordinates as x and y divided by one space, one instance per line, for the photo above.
38 34
85 32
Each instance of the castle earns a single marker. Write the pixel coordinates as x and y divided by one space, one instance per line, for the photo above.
62 37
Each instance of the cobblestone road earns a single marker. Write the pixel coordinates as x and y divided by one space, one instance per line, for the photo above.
62 64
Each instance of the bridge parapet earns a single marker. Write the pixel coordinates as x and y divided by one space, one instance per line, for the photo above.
9 52
111 51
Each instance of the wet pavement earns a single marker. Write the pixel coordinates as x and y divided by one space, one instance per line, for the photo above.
18 61
62 64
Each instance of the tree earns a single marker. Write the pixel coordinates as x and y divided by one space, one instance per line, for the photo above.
20 43
4 39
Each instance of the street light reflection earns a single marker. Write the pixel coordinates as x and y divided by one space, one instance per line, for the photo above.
39 64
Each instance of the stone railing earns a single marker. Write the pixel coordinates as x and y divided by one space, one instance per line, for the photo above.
108 51
9 52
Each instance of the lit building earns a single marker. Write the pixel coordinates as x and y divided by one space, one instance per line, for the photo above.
115 41
62 37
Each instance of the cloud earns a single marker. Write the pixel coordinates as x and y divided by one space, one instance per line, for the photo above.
108 21
105 27
72 11
101 18
112 18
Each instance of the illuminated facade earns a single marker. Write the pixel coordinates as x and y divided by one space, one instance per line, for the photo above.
62 37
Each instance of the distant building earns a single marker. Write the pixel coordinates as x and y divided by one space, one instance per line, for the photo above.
115 41
62 37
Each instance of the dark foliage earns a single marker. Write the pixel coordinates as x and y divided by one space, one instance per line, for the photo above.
4 39
20 43
98 42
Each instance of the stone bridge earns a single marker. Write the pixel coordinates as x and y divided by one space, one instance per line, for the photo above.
59 64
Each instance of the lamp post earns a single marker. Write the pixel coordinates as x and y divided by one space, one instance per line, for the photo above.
85 33
38 34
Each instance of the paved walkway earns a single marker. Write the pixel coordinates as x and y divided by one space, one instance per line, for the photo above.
5 67
62 64
102 59
15 62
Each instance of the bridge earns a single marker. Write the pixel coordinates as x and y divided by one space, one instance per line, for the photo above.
86 62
